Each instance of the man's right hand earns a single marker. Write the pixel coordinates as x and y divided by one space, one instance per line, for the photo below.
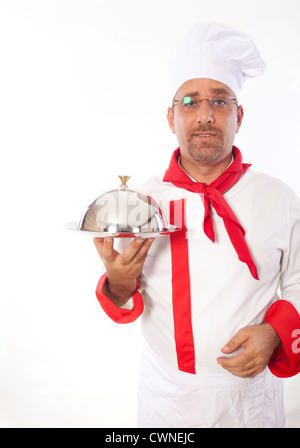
122 268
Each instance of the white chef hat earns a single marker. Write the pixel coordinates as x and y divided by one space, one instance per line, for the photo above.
214 51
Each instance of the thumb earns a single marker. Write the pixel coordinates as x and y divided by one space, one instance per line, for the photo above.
235 342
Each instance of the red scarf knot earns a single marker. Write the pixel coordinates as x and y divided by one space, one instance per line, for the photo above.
212 195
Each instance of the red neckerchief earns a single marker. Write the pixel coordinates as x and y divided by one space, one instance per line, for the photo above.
212 194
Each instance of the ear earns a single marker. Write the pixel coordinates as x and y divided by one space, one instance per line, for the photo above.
240 116
170 117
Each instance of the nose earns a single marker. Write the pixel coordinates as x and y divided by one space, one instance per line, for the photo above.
205 113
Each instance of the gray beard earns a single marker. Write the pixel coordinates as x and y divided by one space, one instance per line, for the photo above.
205 153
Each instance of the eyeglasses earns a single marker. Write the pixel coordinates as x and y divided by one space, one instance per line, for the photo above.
188 104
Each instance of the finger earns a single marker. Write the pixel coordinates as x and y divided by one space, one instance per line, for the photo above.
240 370
108 249
246 372
235 342
238 361
144 249
136 250
243 374
99 245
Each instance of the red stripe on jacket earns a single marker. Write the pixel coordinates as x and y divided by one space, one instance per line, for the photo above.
181 291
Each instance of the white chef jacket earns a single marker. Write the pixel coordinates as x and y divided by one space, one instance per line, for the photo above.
224 296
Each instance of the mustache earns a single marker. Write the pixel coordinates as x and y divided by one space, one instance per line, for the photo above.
206 129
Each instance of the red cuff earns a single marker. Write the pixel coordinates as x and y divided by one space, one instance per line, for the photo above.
285 319
119 315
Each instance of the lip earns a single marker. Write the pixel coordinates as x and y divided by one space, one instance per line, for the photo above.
205 135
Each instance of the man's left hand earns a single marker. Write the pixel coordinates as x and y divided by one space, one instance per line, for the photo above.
258 343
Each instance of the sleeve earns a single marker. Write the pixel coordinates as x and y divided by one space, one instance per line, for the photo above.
133 308
283 314
285 319
120 315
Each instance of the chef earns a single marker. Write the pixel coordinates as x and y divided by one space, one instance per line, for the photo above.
219 299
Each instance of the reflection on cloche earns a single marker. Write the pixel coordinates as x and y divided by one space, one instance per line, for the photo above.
123 212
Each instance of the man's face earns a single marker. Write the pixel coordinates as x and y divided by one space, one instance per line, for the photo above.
206 134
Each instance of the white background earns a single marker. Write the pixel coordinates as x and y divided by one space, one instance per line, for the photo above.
84 95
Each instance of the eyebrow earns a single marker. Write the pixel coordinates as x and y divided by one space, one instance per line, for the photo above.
217 91
221 91
191 94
